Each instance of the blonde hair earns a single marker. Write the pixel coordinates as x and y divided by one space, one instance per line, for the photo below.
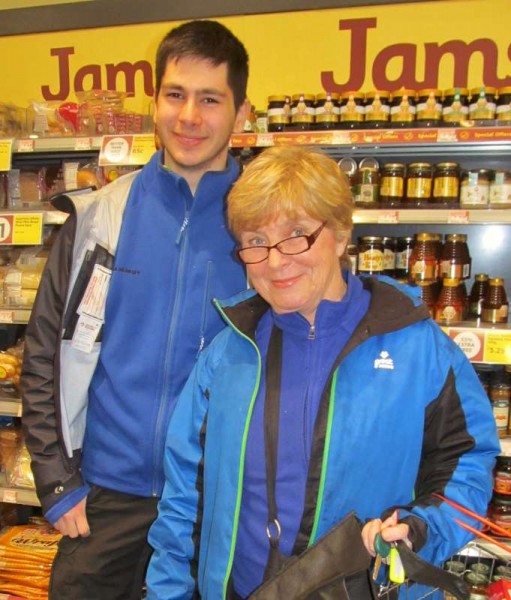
291 180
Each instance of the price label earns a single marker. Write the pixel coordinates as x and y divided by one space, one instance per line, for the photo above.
497 347
126 150
10 496
388 216
5 154
83 143
264 139
458 217
26 145
6 316
21 228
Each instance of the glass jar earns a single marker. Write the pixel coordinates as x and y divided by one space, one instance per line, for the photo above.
477 585
455 106
502 479
446 183
475 188
367 187
500 189
377 109
495 306
455 260
428 291
419 183
429 108
404 246
302 112
370 255
349 167
450 306
424 257
261 121
278 113
503 109
477 293
392 184
327 111
389 255
500 397
351 110
501 572
402 108
482 105
499 511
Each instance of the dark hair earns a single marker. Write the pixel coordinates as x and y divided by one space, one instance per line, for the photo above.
206 40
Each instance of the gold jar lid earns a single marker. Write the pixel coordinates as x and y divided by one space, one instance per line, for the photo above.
504 90
277 98
354 95
324 96
481 277
305 97
447 165
374 93
419 165
496 281
404 92
487 90
392 166
456 237
429 92
454 91
427 237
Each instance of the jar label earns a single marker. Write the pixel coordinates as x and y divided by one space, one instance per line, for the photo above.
504 112
389 260
352 112
449 313
424 270
454 271
495 315
502 483
429 110
500 193
392 186
418 187
501 416
377 111
482 109
454 113
370 261
446 187
366 193
474 195
403 259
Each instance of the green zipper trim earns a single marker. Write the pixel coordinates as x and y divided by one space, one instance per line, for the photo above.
324 465
242 456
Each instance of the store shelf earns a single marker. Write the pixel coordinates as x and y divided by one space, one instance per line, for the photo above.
482 343
14 316
57 144
425 216
10 407
18 496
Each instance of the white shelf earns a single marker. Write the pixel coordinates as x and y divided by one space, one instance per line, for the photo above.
425 216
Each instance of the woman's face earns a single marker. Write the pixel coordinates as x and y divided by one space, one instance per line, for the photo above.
296 283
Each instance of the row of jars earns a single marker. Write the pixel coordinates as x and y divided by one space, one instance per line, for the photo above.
424 183
439 269
377 108
496 381
478 575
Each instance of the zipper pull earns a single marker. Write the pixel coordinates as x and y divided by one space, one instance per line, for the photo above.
202 343
312 333
182 230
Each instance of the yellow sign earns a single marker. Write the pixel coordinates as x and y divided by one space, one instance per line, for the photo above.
497 347
126 150
430 44
5 154
21 229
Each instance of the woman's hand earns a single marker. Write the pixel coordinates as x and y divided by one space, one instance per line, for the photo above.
390 531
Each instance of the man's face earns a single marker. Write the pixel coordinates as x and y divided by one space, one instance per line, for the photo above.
195 116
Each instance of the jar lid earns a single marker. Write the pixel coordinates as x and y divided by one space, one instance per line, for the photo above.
496 281
278 98
403 92
451 281
454 91
368 169
380 93
426 237
348 165
407 238
481 277
447 165
429 92
420 165
369 161
504 90
354 95
325 95
456 237
394 166
371 238
308 97
482 90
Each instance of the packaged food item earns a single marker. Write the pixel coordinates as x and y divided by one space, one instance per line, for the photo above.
302 111
53 118
366 187
455 106
419 183
475 188
11 120
429 108
352 110
482 105
370 255
503 110
101 112
404 246
450 306
377 109
327 111
402 108
455 261
500 189
424 257
477 294
446 183
502 479
495 306
279 112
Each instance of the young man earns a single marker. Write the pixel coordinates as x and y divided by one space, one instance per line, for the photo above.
123 310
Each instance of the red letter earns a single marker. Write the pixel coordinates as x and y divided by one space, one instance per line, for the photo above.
63 56
408 54
94 71
358 54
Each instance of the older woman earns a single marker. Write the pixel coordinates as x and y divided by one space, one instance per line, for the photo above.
325 394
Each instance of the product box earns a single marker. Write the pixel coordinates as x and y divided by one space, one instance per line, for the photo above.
500 590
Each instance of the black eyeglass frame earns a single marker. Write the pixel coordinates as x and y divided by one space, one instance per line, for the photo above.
311 238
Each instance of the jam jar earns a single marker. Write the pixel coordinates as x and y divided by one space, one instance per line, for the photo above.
446 183
377 109
503 110
351 110
476 296
352 255
495 306
370 255
500 189
302 112
419 183
500 397
502 479
367 187
327 111
392 184
404 246
499 511
475 188
455 260
455 106
402 108
424 257
482 105
389 255
450 306
278 113
429 108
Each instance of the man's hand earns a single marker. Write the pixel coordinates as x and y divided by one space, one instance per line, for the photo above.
74 522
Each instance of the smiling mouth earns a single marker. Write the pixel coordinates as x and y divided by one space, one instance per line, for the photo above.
187 140
284 283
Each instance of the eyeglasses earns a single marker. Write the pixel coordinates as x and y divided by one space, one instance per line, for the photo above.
299 244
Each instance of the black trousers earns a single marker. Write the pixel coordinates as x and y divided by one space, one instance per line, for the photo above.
111 563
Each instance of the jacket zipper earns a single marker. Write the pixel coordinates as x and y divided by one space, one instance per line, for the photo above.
242 454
